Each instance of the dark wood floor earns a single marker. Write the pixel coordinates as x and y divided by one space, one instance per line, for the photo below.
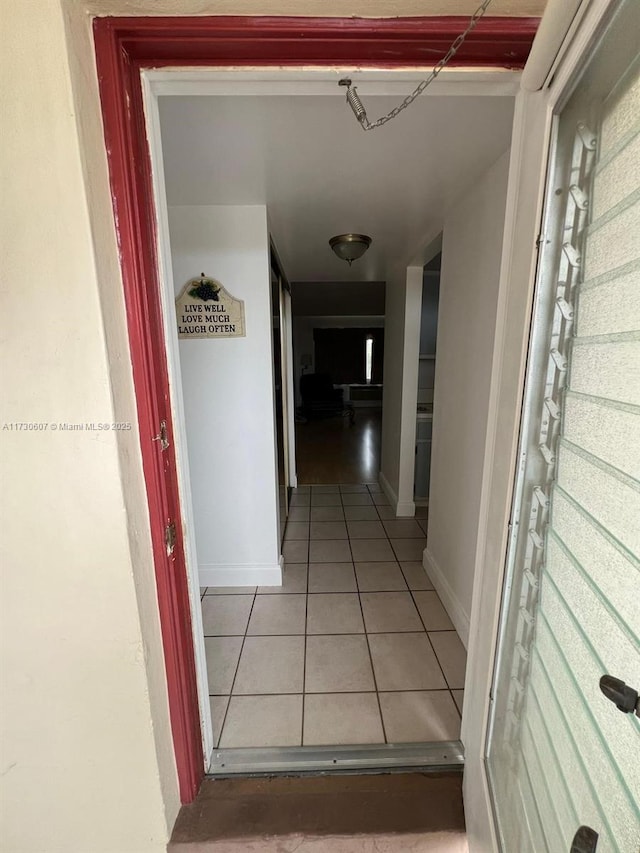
333 451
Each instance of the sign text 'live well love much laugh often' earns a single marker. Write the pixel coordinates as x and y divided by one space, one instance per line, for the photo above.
204 309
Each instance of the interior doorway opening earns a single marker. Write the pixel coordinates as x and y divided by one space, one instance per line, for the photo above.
334 650
338 340
427 374
282 391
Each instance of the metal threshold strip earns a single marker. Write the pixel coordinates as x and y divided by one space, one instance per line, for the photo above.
296 760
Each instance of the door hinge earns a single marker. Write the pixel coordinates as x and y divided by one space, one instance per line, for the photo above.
162 436
170 538
588 137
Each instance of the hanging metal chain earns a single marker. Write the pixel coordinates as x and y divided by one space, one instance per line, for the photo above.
358 107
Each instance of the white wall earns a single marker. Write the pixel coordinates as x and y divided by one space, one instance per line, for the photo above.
87 756
411 364
471 256
338 298
392 392
428 333
228 397
400 396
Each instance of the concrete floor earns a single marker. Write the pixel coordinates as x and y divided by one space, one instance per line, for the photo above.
439 842
412 812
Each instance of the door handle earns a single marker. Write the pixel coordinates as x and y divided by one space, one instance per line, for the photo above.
623 697
584 841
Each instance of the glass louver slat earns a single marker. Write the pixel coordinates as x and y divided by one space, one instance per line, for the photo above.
611 305
604 429
610 568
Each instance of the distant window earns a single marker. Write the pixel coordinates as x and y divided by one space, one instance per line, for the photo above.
368 359
342 354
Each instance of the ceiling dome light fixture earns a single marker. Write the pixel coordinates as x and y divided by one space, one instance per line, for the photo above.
350 247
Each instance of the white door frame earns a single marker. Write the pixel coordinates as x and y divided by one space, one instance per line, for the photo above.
167 299
291 402
222 82
525 196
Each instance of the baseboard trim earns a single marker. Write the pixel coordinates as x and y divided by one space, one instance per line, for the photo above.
451 603
241 574
403 509
386 488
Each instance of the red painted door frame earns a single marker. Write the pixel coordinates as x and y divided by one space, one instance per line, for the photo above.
125 46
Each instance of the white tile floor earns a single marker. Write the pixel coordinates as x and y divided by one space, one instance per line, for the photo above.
354 648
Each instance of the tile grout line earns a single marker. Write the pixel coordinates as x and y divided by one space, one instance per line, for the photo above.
459 710
306 603
366 634
339 633
306 618
415 604
338 692
433 648
343 521
408 588
235 674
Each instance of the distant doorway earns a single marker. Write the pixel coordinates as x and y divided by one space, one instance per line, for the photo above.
338 360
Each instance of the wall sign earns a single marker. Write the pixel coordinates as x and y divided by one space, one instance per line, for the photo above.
204 309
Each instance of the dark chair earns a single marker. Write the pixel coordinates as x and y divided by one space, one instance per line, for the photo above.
320 399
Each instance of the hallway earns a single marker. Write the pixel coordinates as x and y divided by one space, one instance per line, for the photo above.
354 648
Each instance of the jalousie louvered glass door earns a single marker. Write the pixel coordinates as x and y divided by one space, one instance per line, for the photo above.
564 760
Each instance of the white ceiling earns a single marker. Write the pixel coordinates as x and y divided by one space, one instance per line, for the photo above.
320 174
